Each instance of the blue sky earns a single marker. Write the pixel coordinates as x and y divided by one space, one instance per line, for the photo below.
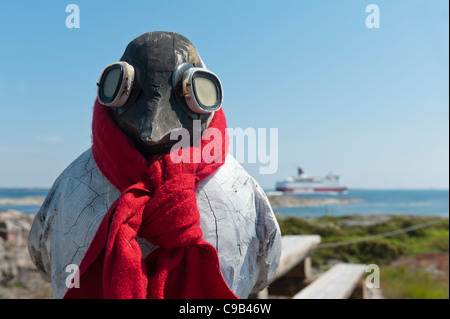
368 104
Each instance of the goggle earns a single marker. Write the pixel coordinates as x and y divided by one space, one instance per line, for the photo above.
200 87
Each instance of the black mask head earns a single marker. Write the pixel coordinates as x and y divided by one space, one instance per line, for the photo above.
155 107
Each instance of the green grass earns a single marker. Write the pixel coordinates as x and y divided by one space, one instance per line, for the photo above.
376 251
404 283
397 281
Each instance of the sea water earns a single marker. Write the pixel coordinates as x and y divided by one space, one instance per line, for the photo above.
390 202
397 202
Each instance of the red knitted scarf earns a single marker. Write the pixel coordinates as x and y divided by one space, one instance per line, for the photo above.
157 203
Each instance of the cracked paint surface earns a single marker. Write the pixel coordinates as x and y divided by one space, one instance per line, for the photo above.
235 217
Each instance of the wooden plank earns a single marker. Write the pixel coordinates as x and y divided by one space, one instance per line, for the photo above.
337 283
294 249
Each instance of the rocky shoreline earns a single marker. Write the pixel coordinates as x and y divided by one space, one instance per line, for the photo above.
19 278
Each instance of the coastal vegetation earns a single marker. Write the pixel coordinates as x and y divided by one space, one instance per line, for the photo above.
413 260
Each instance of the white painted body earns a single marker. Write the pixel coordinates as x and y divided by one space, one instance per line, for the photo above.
235 216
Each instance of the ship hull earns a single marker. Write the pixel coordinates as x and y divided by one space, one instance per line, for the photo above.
304 184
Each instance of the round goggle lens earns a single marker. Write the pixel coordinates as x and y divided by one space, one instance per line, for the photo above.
112 80
206 91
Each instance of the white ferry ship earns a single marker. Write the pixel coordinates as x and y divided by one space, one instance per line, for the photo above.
304 184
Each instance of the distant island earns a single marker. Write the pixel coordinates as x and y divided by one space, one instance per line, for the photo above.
22 201
283 201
